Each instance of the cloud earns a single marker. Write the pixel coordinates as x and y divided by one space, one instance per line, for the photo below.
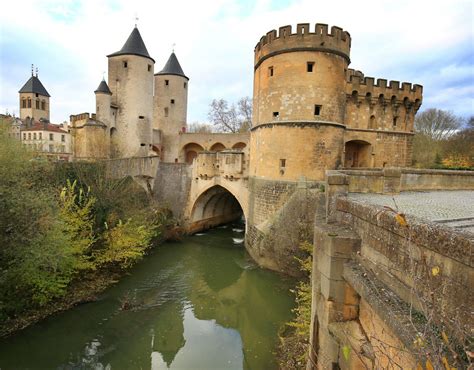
428 43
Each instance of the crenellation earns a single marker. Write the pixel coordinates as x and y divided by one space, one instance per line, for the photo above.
284 32
302 29
321 29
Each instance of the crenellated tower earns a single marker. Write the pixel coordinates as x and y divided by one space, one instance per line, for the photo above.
299 102
131 83
170 107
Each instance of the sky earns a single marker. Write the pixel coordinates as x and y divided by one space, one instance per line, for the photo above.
424 42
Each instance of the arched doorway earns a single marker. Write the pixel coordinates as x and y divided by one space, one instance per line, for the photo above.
217 147
215 206
191 151
239 146
358 153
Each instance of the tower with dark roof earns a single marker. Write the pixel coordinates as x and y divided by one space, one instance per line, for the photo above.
34 99
170 106
131 85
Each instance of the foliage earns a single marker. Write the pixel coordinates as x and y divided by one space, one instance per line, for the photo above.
294 341
231 118
202 128
60 223
437 124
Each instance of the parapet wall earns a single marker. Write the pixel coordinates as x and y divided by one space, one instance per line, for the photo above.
336 41
361 87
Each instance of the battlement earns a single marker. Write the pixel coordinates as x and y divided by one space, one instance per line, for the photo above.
359 87
336 41
81 119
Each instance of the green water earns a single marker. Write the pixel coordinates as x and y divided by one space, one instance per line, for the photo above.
198 304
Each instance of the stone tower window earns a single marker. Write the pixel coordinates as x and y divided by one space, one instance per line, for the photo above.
172 101
167 82
372 122
166 112
317 110
36 94
276 114
29 103
23 103
270 71
395 119
149 67
43 105
282 166
309 66
37 104
185 85
125 64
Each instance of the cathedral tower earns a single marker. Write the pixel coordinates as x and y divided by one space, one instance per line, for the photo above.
34 99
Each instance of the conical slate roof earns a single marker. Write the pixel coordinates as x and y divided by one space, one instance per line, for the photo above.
172 67
103 88
133 46
34 85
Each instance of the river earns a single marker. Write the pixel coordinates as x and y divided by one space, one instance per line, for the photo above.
196 304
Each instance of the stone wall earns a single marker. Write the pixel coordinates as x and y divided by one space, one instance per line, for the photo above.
172 187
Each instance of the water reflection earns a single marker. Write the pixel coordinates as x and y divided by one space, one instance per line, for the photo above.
201 303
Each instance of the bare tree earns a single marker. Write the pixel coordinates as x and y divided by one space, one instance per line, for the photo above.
229 118
437 124
197 127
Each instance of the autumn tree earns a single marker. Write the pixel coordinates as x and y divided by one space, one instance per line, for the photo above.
230 117
197 127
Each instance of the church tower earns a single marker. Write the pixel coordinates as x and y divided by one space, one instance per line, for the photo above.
34 99
170 106
131 83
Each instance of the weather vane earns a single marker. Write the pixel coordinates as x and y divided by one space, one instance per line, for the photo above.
36 71
173 46
32 69
136 19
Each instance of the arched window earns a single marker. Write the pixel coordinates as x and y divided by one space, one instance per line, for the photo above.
43 105
29 103
372 122
23 103
37 104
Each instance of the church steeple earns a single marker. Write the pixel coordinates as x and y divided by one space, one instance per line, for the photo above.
34 98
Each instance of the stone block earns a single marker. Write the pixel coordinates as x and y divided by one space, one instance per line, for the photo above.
332 290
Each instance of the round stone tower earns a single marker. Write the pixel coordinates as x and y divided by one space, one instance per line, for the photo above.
299 102
170 107
131 84
103 100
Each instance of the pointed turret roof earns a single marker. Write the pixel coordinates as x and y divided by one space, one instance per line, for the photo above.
133 46
34 85
103 88
172 67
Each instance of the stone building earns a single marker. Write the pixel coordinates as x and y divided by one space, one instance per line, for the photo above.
34 99
51 141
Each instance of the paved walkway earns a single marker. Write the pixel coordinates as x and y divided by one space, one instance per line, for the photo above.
452 208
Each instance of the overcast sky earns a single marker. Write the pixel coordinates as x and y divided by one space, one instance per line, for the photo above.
425 42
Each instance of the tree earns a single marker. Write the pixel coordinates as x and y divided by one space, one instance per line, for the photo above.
437 124
197 127
231 118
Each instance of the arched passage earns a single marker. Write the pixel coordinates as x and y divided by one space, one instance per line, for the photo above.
358 154
215 206
190 151
239 146
217 147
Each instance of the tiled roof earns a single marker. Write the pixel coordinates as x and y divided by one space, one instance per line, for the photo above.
133 46
42 126
172 67
34 85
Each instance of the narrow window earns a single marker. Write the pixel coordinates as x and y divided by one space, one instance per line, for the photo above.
172 101
317 110
166 112
43 105
282 163
149 67
270 71
141 117
125 65
29 135
372 122
167 82
34 136
395 119
23 103
37 104
63 138
24 136
185 85
276 114
63 149
29 103
51 136
41 136
36 94
309 66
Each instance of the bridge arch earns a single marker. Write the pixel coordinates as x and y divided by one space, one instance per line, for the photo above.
217 147
214 205
190 151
